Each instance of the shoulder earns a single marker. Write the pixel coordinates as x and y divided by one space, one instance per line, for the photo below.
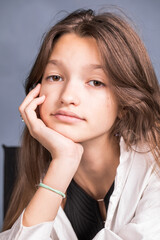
138 165
139 155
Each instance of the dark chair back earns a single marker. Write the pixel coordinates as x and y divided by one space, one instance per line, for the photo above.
10 172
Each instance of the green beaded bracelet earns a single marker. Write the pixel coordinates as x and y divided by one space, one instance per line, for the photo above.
52 189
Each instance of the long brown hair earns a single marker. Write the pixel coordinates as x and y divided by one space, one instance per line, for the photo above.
134 83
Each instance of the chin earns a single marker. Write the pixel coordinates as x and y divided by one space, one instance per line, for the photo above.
67 131
72 135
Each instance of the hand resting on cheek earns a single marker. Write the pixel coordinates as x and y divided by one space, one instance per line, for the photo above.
50 139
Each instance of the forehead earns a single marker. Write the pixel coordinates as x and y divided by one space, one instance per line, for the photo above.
71 46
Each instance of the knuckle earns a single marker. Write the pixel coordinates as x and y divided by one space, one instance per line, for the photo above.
20 109
26 110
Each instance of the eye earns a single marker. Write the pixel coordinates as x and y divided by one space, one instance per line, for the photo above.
54 78
96 83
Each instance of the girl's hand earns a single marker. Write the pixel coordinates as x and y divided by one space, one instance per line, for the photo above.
59 146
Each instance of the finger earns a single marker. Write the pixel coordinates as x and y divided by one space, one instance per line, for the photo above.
31 95
30 116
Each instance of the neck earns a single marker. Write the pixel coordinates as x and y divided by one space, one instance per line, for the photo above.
98 166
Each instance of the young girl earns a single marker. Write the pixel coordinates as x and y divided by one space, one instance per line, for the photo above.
90 156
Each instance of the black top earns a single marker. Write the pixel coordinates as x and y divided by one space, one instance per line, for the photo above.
83 211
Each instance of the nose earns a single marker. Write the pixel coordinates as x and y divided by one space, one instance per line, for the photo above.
70 95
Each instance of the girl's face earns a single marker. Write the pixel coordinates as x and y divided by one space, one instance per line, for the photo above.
79 101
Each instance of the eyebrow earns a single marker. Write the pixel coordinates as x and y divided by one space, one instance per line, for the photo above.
89 66
95 66
55 62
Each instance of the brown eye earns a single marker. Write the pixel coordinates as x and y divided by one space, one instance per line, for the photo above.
96 83
54 78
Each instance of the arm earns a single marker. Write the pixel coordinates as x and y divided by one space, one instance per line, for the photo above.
66 156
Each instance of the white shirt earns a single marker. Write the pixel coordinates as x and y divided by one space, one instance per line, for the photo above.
133 212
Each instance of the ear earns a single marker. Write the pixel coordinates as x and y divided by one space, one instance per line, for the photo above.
122 113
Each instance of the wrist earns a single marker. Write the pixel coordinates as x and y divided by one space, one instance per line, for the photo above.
52 189
58 176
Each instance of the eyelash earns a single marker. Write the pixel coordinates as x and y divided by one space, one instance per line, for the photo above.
99 82
58 77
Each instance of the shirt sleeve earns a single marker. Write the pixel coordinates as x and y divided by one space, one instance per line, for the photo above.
19 232
59 229
146 222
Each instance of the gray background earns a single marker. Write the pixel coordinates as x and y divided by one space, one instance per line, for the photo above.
22 24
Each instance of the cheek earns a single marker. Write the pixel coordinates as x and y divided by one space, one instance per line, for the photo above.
110 111
43 111
45 107
49 105
43 90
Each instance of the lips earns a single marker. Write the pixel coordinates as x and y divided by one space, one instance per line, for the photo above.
67 114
